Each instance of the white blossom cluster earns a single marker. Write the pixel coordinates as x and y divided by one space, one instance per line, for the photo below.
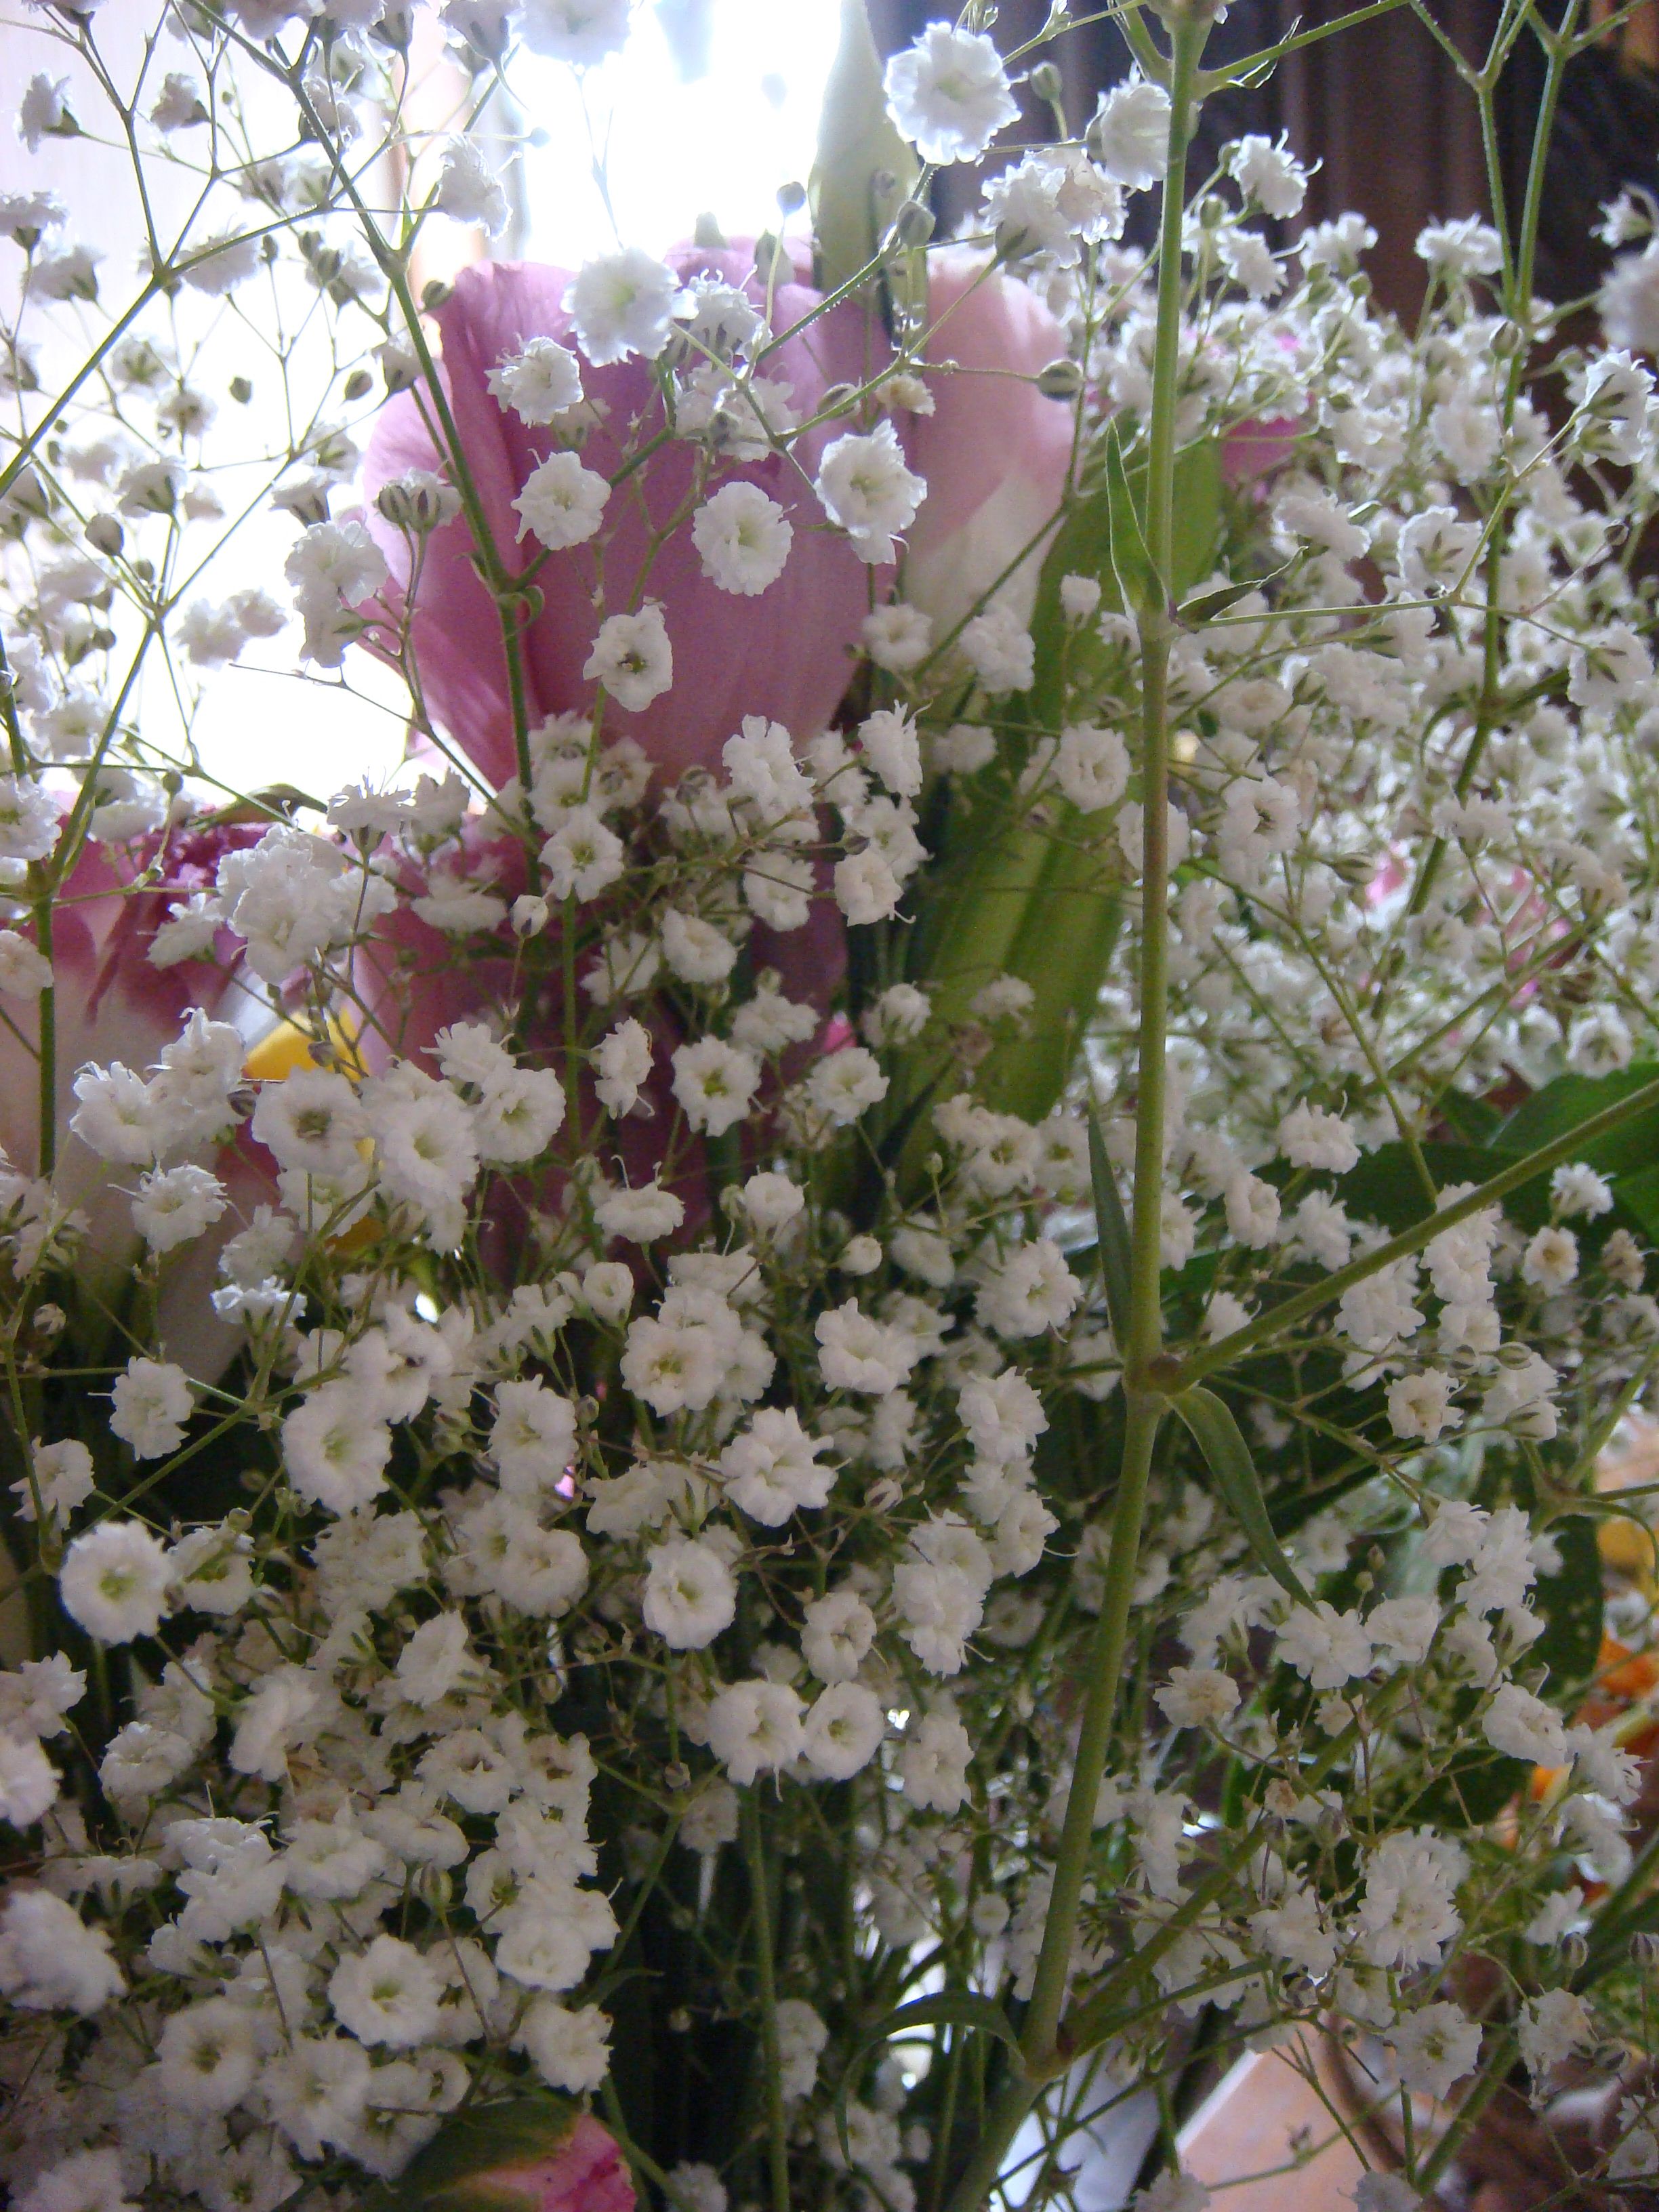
564 1399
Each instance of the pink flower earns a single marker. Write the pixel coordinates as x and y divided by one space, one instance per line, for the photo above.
996 453
113 1003
1254 449
555 2163
785 654
586 2174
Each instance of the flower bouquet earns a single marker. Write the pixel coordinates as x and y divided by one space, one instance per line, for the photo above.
788 1433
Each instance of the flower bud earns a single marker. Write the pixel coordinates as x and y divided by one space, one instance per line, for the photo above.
104 535
529 914
792 197
418 501
836 399
435 295
912 225
1047 83
1061 380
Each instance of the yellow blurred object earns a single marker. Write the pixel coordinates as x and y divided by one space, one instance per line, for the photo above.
286 1048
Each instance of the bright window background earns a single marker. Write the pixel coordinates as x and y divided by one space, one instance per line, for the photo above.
710 106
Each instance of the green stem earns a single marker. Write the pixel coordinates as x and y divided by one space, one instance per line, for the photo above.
777 2125
1105 1662
1216 1357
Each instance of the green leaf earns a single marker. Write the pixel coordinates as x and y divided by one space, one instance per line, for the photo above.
1137 581
1570 1603
864 170
1560 1107
1113 1231
1228 1457
949 2008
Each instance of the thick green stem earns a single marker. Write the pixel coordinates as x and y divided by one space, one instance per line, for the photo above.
777 2125
1105 1662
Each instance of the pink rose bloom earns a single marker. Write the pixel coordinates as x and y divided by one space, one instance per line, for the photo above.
581 2171
995 452
784 654
113 1003
1256 449
586 2174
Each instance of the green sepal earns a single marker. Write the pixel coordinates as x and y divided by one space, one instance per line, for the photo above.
863 174
1228 1457
448 2174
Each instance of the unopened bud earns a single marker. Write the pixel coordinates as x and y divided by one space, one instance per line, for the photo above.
529 914
1061 380
241 390
707 233
104 535
676 1774
435 295
913 224
418 501
359 384
837 399
792 197
1514 1355
1047 83
1573 1952
1645 1949
1013 241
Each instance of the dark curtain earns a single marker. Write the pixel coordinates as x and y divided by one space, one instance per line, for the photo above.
1383 113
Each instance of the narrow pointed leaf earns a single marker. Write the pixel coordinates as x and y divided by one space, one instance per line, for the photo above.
1113 1231
1132 564
863 169
1227 1455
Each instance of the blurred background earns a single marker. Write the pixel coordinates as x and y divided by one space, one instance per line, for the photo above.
713 105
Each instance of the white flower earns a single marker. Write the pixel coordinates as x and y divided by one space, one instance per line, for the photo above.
469 190
1578 1189
86 2181
1092 767
1435 549
867 890
540 382
1524 1727
1000 649
28 819
754 1727
25 972
1433 2048
1419 1406
632 657
579 32
888 744
772 1468
151 1403
209 2055
837 1632
857 1352
689 1595
1308 1136
640 1216
1270 175
897 637
113 1581
842 1083
1403 1628
695 950
624 1061
1198 1697
64 1479
1032 1290
864 486
568 2049
622 303
50 1959
1629 300
1129 136
933 1764
174 1205
1408 1915
743 539
387 1994
939 1607
562 501
713 1083
316 2090
583 857
28 1780
1326 1648
1551 2028
771 1201
43 111
843 1732
1550 1259
948 93
335 1446
434 1660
